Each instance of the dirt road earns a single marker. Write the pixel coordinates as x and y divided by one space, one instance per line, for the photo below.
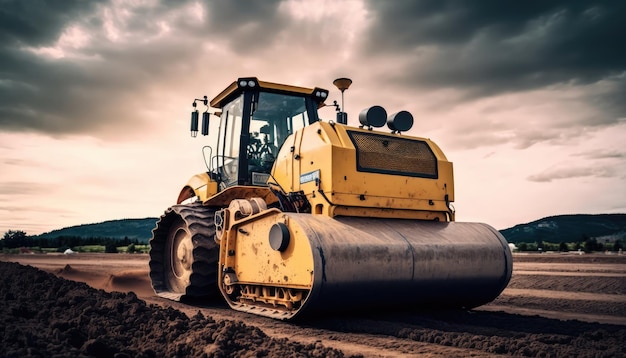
555 305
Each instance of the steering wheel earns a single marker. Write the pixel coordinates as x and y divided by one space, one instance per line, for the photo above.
260 155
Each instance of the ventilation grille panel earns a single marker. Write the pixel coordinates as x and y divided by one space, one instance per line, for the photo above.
378 153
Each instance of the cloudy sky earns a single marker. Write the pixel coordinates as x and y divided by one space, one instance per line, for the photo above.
526 98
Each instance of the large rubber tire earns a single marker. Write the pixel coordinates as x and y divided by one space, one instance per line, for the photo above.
183 253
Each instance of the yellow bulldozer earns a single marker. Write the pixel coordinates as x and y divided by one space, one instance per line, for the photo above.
296 215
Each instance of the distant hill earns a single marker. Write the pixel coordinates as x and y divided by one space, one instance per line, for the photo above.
140 229
555 229
569 228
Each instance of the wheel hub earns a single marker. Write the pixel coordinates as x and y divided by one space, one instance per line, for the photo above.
181 263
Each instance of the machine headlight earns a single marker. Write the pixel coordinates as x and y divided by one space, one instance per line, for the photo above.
400 122
320 93
249 82
374 116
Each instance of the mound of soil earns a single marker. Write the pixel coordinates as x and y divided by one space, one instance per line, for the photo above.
555 306
44 315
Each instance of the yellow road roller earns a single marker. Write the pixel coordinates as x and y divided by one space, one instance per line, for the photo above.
296 215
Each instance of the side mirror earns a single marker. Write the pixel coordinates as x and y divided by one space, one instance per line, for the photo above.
205 123
194 123
194 118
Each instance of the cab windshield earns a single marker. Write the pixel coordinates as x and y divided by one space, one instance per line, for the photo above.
273 117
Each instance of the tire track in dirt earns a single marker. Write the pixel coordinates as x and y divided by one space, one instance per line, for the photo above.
565 295
378 344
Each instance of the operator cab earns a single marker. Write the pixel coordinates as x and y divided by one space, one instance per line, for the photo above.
256 119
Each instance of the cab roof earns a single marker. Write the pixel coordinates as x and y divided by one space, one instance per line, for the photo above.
245 83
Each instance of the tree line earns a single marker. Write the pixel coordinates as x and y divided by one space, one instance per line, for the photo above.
587 244
13 239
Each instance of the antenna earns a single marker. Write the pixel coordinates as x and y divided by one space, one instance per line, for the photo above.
342 84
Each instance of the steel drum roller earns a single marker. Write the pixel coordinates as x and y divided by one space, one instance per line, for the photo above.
362 262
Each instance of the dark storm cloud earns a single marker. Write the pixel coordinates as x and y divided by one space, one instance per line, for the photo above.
92 89
31 95
37 23
61 96
248 24
612 101
27 81
492 46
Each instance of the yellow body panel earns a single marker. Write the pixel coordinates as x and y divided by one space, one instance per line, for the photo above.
254 261
200 185
323 165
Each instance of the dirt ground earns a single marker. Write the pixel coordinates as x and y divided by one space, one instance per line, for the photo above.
557 305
